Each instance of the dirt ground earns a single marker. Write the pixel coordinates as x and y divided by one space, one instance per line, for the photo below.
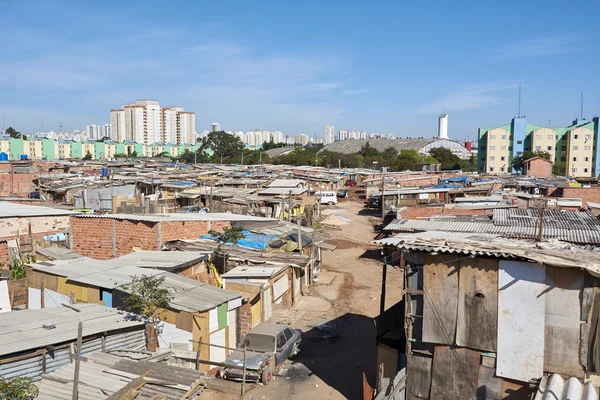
338 341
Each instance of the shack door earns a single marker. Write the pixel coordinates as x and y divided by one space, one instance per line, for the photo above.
267 303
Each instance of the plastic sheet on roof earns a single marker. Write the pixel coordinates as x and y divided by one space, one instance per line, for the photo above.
252 240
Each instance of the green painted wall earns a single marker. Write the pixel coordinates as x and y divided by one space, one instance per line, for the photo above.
99 150
49 149
16 148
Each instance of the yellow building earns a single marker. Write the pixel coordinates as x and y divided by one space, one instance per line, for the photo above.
498 155
580 152
64 150
5 146
110 149
35 149
88 147
544 139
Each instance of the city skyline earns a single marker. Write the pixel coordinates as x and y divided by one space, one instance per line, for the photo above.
278 76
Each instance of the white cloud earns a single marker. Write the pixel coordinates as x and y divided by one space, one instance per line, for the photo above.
469 98
540 47
354 91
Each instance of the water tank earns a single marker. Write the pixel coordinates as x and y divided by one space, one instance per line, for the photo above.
468 145
3 156
443 126
23 156
104 172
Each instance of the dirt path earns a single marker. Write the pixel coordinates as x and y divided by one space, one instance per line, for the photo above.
339 342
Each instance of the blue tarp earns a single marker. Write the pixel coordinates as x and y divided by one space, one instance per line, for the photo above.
251 239
462 179
447 186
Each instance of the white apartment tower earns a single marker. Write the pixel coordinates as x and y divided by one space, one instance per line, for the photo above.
147 122
329 135
443 126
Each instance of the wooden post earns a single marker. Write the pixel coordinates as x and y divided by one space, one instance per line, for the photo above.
72 297
540 236
299 235
383 289
380 379
42 292
198 354
77 361
290 205
244 376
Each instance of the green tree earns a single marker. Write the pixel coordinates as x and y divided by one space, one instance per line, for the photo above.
368 151
88 156
272 145
18 388
13 133
229 235
104 139
224 145
446 158
147 294
559 169
517 162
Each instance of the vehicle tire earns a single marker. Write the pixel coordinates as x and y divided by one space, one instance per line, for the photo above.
295 350
330 203
267 375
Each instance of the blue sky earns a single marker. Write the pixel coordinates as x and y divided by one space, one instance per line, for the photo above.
296 66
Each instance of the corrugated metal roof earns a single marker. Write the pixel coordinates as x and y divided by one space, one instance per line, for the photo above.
253 272
285 183
282 190
555 387
573 227
22 330
354 146
165 260
8 209
188 294
573 220
177 217
553 252
98 380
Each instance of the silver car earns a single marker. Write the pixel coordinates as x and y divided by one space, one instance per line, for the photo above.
267 347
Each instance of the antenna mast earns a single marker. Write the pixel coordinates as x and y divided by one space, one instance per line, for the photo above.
581 110
519 113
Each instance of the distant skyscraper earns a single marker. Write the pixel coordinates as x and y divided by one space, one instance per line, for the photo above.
106 130
301 139
215 127
443 126
329 135
92 131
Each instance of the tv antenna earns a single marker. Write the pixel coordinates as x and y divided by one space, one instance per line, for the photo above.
519 112
581 109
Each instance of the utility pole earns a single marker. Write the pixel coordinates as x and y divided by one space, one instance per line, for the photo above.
290 206
77 361
340 166
382 195
299 234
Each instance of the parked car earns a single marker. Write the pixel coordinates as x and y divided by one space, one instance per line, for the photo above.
328 197
267 347
373 202
343 193
189 209
351 182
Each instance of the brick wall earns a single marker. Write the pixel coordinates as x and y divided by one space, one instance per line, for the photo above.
40 226
92 237
426 212
4 254
538 168
585 194
21 184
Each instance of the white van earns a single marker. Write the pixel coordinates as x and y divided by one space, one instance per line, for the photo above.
328 197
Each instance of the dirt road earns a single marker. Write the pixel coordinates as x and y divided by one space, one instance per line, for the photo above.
339 339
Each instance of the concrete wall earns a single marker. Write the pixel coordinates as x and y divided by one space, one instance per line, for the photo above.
538 168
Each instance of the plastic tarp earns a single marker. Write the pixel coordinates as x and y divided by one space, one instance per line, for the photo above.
463 179
251 239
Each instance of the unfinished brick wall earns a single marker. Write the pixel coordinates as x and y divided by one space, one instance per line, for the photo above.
426 212
585 194
539 168
4 254
18 227
19 185
93 237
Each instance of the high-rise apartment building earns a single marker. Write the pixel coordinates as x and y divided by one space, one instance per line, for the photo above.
302 139
329 134
93 131
146 122
572 148
106 130
215 127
